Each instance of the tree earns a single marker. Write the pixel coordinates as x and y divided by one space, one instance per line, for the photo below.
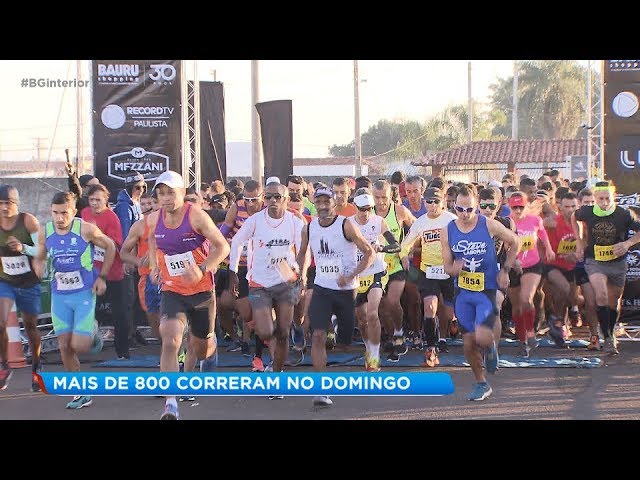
551 100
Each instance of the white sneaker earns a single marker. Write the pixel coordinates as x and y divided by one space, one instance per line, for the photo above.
322 401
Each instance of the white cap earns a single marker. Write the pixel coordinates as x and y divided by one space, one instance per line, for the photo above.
363 198
494 183
272 180
171 179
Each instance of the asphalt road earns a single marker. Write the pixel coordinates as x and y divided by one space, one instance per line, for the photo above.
609 392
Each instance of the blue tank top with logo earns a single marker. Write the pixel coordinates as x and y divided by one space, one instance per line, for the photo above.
71 258
477 249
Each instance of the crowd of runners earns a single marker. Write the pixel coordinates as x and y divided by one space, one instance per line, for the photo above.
295 268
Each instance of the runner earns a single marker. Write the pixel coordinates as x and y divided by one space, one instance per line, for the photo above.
489 203
185 248
20 275
435 285
373 228
398 219
334 244
75 281
607 228
273 238
523 287
560 273
469 254
586 198
138 238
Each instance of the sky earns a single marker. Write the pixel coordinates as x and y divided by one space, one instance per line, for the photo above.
322 94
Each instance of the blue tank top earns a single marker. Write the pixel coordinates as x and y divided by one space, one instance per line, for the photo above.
417 213
478 250
71 258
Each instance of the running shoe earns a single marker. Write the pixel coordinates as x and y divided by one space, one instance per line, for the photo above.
35 383
297 337
491 358
257 365
331 341
556 332
322 401
442 346
431 358
170 412
533 343
295 357
98 342
480 391
524 351
576 318
399 345
275 397
187 398
371 364
79 402
235 346
5 375
594 343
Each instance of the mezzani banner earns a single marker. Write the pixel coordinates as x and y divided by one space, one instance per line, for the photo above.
136 119
247 384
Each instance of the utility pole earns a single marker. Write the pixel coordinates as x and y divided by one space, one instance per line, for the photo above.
356 119
79 121
514 113
257 162
470 108
40 142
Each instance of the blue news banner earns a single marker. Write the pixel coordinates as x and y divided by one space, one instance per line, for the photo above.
248 384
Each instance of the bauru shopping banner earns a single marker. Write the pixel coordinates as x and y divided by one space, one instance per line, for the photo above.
137 119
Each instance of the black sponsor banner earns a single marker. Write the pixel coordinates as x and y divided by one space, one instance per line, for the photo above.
276 126
213 152
631 294
136 120
621 105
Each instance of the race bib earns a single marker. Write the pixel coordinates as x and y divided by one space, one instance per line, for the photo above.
436 272
527 243
329 270
66 281
603 253
393 263
365 283
16 265
98 254
566 246
473 281
178 263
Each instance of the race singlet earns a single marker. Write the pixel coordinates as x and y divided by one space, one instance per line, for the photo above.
15 265
365 283
178 263
603 253
473 281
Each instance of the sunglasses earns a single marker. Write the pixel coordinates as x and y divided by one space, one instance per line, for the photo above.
463 209
432 201
365 209
490 206
252 199
517 208
275 196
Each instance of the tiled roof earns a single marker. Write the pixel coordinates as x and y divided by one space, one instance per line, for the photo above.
507 151
305 162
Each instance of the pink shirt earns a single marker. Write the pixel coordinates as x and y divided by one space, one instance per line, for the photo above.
530 229
109 223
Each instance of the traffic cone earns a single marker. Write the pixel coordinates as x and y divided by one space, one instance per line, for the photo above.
15 352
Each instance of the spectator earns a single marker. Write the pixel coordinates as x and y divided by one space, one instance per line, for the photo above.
79 186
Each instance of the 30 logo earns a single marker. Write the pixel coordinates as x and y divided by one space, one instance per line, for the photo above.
163 73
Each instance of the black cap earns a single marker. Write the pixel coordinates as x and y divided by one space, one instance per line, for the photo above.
433 192
84 179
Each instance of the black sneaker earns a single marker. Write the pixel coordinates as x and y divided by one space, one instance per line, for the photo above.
399 345
442 346
393 357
